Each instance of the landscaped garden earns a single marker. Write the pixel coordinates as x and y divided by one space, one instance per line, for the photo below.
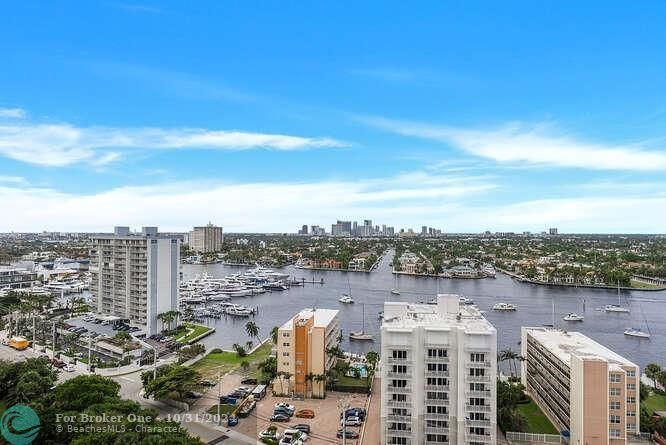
536 420
222 362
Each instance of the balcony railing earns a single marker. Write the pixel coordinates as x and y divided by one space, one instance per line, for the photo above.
399 389
436 373
477 422
438 402
434 416
477 408
398 433
398 418
435 359
398 403
478 393
477 378
487 437
478 365
399 375
436 430
437 387
397 360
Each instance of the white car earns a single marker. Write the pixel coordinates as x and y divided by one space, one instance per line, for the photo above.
291 408
69 368
352 421
270 434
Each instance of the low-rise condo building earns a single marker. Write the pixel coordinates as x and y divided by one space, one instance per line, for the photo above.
438 374
302 359
582 386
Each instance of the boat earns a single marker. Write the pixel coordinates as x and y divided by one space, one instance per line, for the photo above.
361 335
572 316
380 315
504 307
395 291
617 307
635 332
346 299
464 300
238 311
488 270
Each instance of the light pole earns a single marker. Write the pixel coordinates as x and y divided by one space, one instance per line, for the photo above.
53 345
343 405
219 395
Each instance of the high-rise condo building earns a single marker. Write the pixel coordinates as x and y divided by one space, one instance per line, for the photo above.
439 370
301 351
582 386
208 238
135 275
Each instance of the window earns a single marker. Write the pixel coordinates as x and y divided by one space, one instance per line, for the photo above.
614 391
436 438
434 353
613 418
437 367
477 372
614 404
399 397
631 386
285 344
285 354
436 381
631 426
476 357
631 373
399 354
631 413
401 369
434 395
613 432
615 378
631 399
437 424
398 440
435 409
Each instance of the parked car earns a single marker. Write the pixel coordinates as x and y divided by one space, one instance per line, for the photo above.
270 433
349 434
289 433
208 383
304 427
69 367
305 414
249 381
193 395
134 329
291 408
355 412
283 411
352 421
278 417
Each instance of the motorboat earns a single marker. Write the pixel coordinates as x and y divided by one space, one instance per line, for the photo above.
635 332
395 291
504 307
360 335
464 300
346 299
488 270
238 311
616 308
572 316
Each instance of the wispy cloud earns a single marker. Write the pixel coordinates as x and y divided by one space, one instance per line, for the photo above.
64 144
257 206
538 144
12 113
15 180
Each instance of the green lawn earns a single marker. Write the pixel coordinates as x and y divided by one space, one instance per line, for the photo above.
351 381
223 362
224 409
191 331
655 402
639 285
537 422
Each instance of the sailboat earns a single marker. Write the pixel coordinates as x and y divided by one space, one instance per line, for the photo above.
572 316
361 335
617 307
635 332
346 298
395 290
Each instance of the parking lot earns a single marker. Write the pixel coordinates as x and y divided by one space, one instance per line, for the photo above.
324 425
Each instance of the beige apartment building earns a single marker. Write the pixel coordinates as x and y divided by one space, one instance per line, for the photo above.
208 238
582 386
301 352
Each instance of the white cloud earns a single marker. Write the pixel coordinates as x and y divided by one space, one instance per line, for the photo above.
12 113
64 144
531 144
273 206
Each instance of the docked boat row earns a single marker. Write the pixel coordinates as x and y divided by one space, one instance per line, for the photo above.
218 310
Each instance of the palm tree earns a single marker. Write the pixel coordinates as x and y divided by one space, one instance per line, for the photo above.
274 334
248 345
252 329
652 372
320 378
511 356
308 379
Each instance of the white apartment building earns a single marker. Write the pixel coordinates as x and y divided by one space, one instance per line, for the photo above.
301 351
135 275
439 370
582 386
208 238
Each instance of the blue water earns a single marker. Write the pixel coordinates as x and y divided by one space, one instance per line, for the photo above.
373 289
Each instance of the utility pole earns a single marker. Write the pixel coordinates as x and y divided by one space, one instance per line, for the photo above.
344 405
53 345
89 354
219 395
154 363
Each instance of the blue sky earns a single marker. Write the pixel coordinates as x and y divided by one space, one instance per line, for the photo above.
265 116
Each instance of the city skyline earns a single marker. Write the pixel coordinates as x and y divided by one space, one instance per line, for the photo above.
148 109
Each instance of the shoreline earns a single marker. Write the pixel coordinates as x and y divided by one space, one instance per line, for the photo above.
587 286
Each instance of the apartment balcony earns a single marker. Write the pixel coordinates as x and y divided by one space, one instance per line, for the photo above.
471 437
479 393
398 433
398 418
436 373
486 365
433 442
475 422
436 359
437 402
397 360
477 378
437 387
435 416
399 389
436 430
399 375
398 404
478 408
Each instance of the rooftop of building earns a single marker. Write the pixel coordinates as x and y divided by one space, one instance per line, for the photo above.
447 313
322 317
564 344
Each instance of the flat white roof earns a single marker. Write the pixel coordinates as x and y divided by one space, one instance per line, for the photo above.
322 317
565 344
448 313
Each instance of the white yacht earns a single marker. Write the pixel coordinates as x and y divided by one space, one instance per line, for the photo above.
361 335
464 300
238 311
504 307
572 316
635 332
616 308
395 291
346 299
488 270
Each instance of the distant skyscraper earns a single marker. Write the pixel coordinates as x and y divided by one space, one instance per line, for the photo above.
135 276
438 374
355 229
424 230
304 230
552 231
208 238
